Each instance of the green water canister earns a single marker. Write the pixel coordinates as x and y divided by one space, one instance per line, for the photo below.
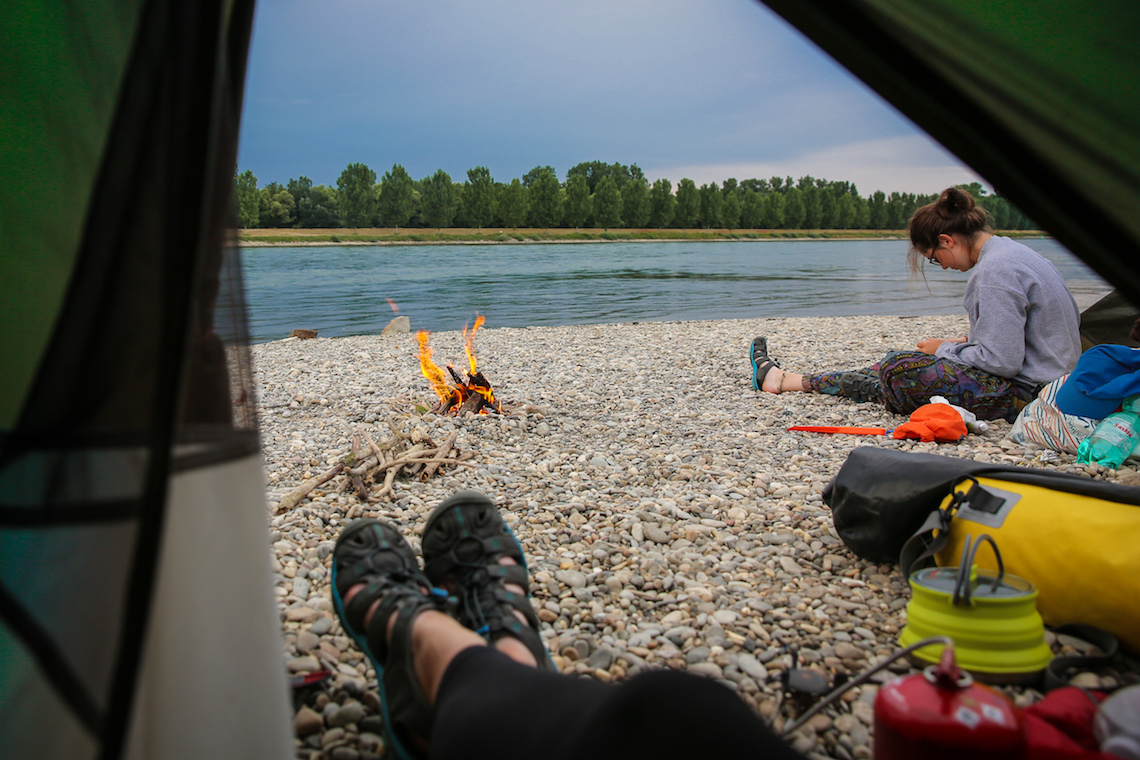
992 618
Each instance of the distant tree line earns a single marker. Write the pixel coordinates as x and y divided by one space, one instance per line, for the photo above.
594 194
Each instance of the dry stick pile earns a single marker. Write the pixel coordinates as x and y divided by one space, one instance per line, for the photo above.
413 454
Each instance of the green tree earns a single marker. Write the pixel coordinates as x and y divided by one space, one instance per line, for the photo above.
688 204
396 203
317 208
276 207
595 171
999 207
877 211
545 199
579 205
299 188
479 197
899 208
975 189
513 205
752 209
529 178
730 210
635 201
813 208
355 197
248 200
438 200
711 203
773 217
794 210
661 203
756 185
828 208
607 203
845 212
862 213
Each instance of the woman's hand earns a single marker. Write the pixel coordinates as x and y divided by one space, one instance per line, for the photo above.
930 345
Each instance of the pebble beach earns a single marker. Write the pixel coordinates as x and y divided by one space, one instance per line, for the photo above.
669 518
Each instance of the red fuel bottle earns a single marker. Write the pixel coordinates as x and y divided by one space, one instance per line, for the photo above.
941 714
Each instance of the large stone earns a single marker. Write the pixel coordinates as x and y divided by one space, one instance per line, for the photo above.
351 712
571 578
307 721
751 666
790 566
303 334
303 664
398 326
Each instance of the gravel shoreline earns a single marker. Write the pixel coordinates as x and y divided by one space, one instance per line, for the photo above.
669 518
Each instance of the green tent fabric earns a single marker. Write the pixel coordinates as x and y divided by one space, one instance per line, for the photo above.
1039 98
136 606
1109 320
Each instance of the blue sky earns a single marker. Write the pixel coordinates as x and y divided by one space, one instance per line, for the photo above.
704 89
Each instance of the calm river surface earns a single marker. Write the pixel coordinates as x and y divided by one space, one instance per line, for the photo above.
344 290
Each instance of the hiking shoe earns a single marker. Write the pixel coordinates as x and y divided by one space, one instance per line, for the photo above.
761 362
860 388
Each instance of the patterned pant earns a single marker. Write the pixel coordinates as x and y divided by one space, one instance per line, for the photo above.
909 378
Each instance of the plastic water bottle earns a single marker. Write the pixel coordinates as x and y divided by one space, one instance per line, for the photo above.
1113 440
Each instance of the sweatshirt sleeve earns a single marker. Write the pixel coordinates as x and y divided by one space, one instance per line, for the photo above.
996 342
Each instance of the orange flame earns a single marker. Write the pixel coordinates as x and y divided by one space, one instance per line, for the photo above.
431 370
487 394
469 340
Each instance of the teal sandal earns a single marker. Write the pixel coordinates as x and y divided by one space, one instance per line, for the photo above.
463 540
761 363
375 554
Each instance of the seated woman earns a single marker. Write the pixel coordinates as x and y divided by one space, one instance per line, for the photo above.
1024 326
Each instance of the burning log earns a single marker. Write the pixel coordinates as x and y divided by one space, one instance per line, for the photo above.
472 393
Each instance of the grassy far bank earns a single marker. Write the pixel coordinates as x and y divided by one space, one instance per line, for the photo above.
411 236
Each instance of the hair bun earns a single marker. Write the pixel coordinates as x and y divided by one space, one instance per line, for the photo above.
956 199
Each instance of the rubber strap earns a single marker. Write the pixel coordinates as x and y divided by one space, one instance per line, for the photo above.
923 544
1055 673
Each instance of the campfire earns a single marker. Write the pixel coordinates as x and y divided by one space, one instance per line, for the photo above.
469 392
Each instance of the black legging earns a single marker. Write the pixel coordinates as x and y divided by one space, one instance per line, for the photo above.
491 706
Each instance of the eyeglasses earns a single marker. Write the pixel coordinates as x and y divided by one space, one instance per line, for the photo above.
931 259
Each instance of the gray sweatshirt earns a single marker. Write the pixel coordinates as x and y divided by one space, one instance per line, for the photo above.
1024 323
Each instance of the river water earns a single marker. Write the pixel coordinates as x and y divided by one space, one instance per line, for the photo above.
345 290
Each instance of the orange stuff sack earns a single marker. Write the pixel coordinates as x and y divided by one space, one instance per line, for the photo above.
933 422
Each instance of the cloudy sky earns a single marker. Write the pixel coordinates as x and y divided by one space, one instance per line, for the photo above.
704 89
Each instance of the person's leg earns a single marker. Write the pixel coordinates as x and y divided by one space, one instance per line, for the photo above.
830 383
779 381
494 707
910 378
389 608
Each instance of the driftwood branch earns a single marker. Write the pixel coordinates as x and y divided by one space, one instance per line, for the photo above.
411 454
437 460
293 498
